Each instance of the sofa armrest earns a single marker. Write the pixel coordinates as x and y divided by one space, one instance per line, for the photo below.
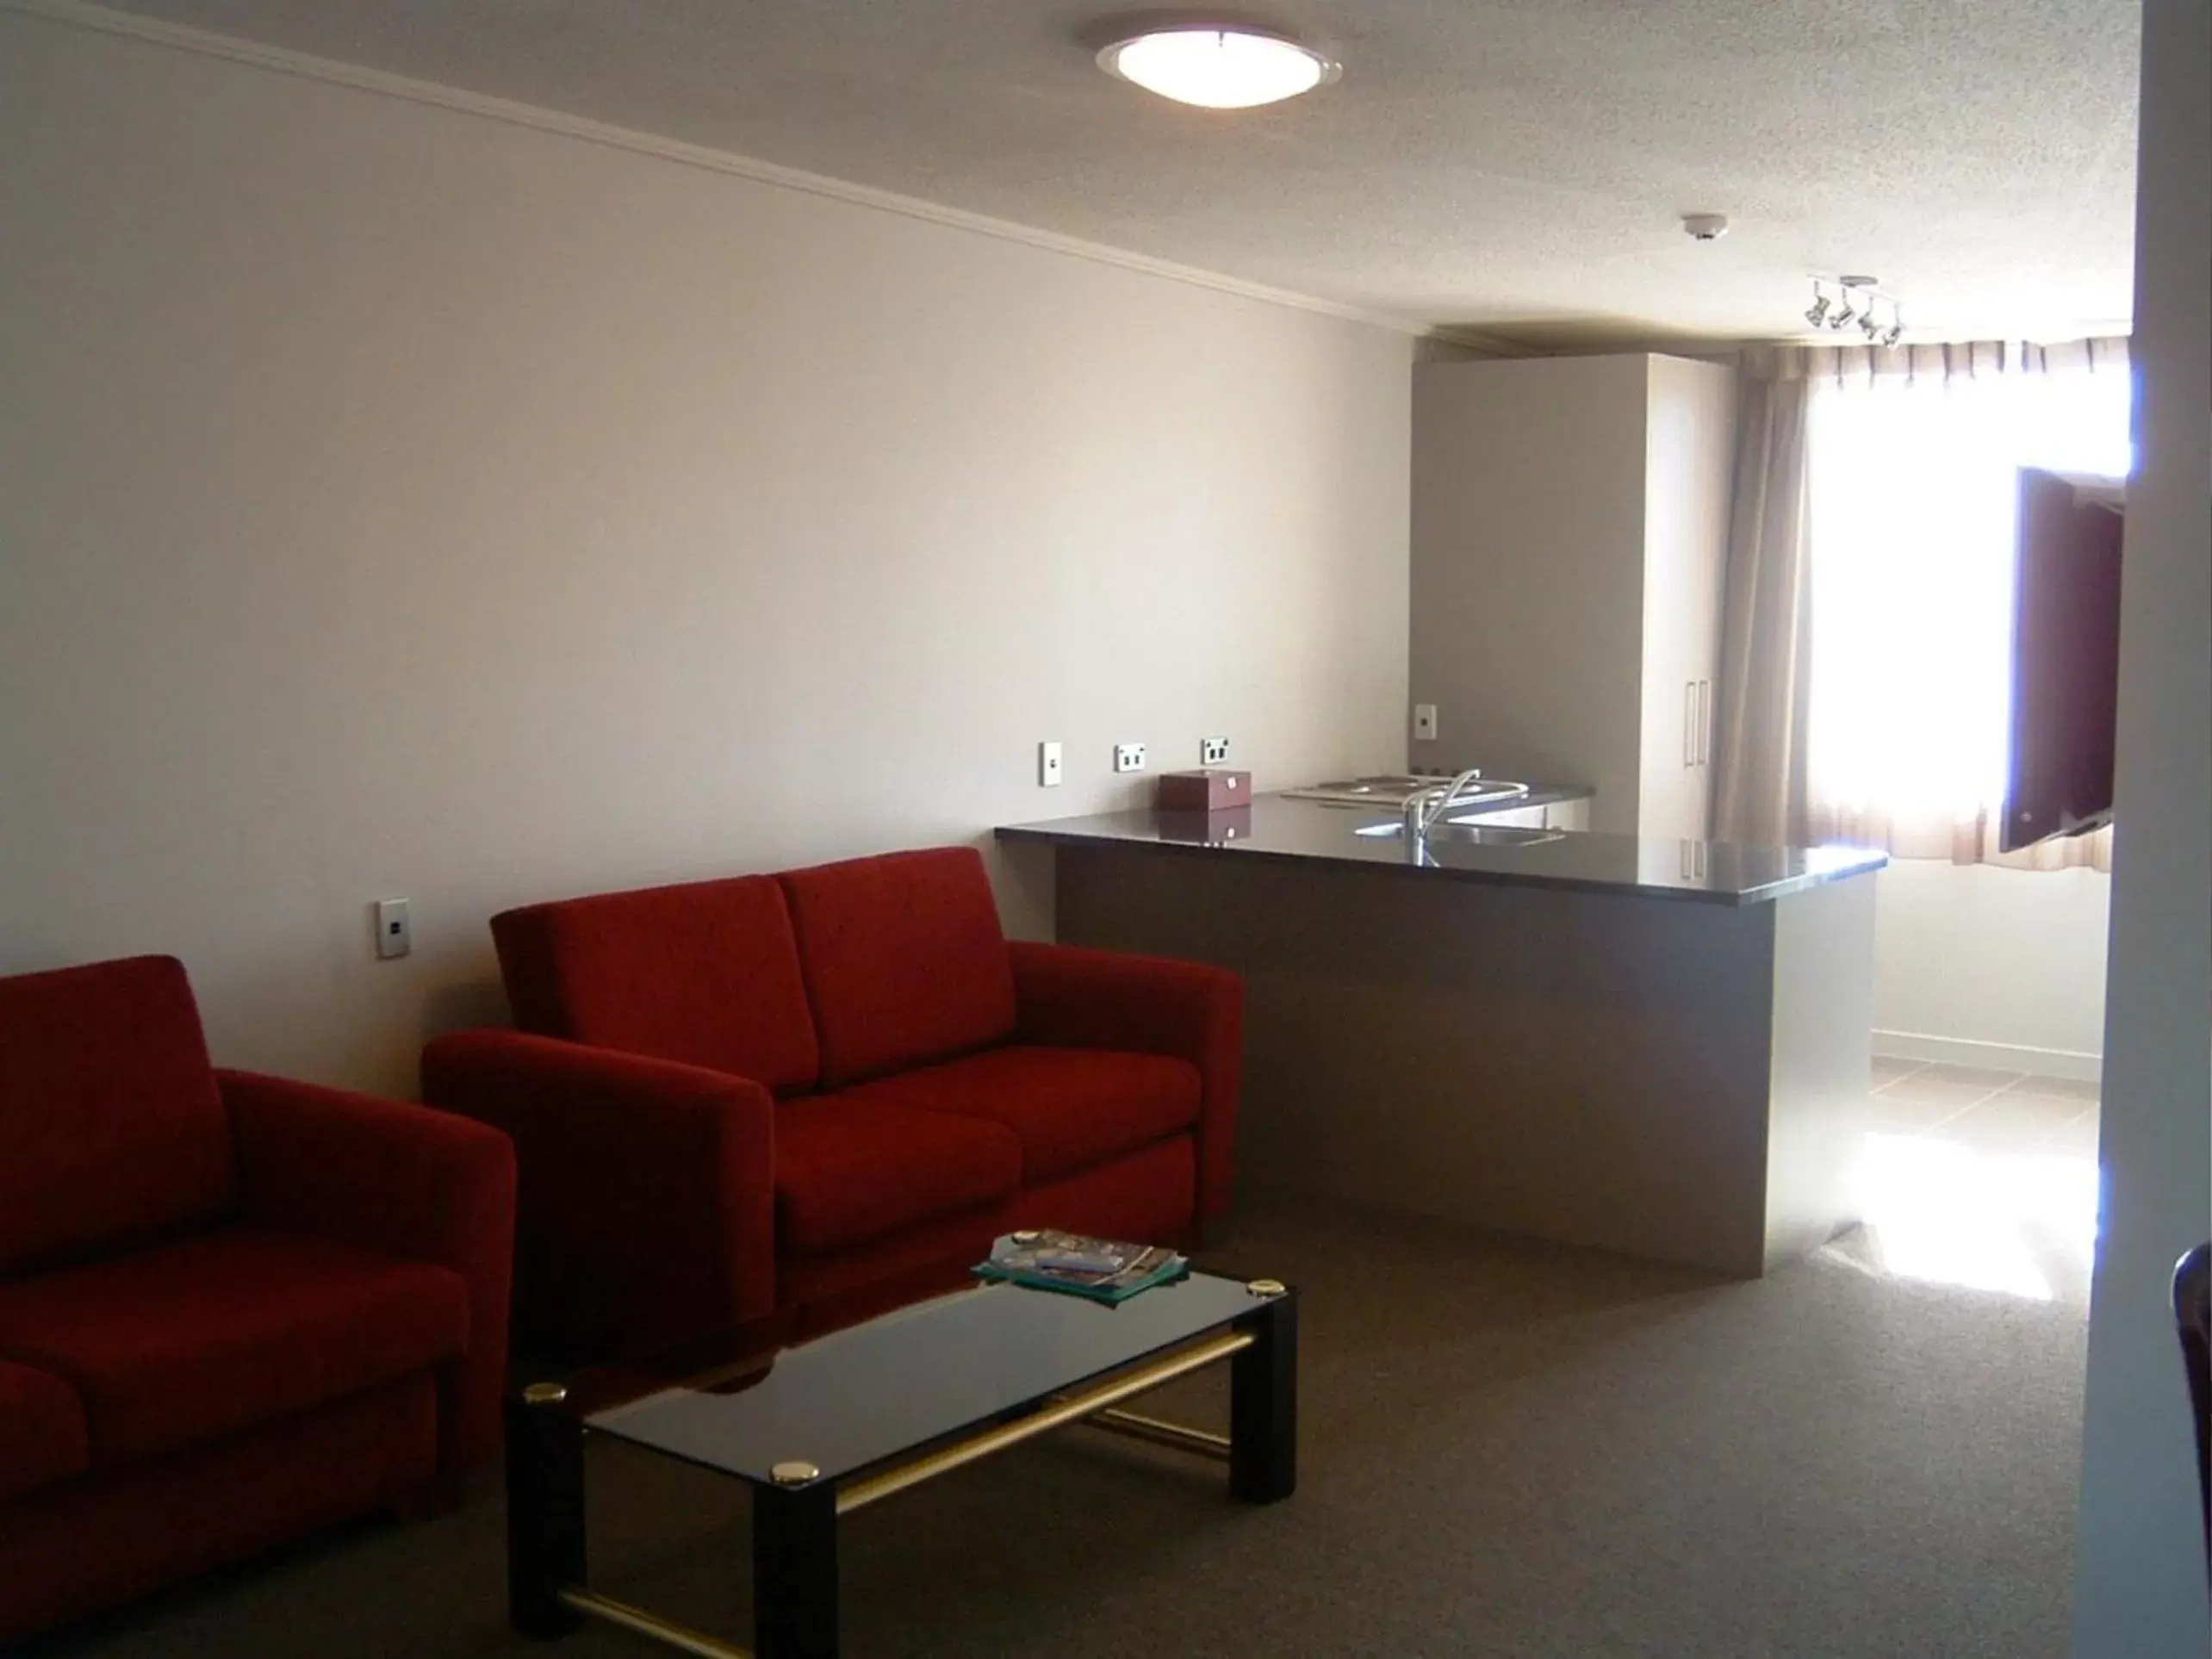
647 1203
1070 997
401 1180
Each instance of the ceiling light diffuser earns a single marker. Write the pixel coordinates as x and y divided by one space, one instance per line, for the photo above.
1217 65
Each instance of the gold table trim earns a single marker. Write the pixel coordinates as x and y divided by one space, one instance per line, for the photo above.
683 1638
1067 1408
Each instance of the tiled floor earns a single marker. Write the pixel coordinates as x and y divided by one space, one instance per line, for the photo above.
1980 1177
1988 1110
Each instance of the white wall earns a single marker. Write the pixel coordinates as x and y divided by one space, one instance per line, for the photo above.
397 500
1528 522
1990 966
2140 1588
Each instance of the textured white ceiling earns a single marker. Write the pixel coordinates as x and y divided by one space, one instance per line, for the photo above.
1481 161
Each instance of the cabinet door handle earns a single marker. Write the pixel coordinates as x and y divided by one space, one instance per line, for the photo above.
1689 723
1704 722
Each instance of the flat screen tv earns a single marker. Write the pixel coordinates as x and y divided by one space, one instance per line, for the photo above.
2065 656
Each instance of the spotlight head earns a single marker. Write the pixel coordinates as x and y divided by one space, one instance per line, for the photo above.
1896 331
1867 326
1860 288
1816 313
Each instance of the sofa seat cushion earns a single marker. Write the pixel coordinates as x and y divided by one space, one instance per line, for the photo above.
850 1170
203 1337
42 1437
1070 1108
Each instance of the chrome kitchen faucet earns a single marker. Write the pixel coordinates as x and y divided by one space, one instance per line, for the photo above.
1425 806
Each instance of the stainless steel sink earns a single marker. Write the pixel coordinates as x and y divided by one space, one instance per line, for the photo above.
1389 790
1463 833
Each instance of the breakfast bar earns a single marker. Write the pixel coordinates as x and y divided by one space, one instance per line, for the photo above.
1652 1046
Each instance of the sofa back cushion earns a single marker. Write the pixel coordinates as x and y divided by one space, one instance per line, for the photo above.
904 957
706 973
110 1123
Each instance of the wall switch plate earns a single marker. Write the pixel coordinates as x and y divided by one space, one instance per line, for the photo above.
394 935
1129 757
1048 764
1212 751
1424 722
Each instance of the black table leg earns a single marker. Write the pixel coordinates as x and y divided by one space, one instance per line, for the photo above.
544 1513
1264 1404
795 1571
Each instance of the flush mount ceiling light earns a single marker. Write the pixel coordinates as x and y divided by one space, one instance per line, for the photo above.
1216 66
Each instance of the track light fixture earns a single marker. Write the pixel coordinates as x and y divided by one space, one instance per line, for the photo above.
1856 300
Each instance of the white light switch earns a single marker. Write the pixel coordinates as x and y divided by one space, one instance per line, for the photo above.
395 937
1424 722
1048 764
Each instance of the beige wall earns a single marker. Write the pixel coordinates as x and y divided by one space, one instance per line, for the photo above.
1983 966
1528 602
1569 518
401 501
2140 1585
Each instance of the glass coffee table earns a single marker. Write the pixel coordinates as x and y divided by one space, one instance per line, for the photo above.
822 1428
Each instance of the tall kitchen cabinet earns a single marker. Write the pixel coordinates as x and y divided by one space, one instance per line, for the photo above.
1570 530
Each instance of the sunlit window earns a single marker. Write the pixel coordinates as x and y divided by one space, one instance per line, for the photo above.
1913 489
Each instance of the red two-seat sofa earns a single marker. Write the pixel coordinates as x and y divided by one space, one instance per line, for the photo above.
817 1093
232 1308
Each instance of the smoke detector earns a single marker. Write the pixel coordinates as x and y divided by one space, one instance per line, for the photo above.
1705 226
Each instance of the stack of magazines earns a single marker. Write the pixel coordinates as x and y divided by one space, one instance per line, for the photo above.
1105 1270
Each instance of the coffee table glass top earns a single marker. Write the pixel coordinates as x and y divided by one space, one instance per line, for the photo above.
741 1404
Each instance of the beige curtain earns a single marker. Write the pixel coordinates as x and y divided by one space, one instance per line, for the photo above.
1850 366
1764 789
1763 694
1978 370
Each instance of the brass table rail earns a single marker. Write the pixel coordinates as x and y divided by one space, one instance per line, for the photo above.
1066 1409
1161 1432
666 1631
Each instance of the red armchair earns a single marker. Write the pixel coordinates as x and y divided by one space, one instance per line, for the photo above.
821 1093
232 1308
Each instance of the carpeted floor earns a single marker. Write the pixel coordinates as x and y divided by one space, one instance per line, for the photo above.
1509 1452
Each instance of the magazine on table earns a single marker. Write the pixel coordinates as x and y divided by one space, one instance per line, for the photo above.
1105 1270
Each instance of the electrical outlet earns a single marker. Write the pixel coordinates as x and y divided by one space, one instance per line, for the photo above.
1048 764
1212 751
1129 757
394 935
1424 722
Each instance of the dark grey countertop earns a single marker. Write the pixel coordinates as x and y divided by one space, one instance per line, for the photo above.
1309 832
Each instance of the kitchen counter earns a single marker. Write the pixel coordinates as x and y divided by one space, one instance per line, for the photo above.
1274 828
1657 1047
